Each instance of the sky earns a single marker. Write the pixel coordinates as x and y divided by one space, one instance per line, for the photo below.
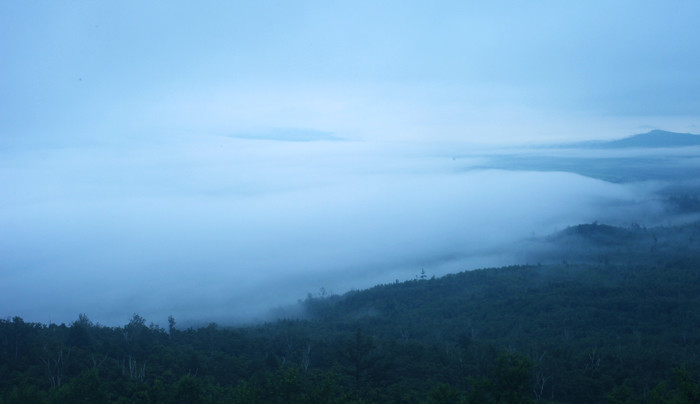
219 158
468 71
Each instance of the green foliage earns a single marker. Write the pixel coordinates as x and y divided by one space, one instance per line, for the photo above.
622 395
188 390
85 388
688 390
616 323
444 394
510 381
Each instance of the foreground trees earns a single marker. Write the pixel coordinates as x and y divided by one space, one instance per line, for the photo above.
623 329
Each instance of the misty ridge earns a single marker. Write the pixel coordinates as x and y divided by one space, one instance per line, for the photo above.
230 228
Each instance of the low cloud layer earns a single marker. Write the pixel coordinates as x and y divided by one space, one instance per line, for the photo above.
213 161
225 228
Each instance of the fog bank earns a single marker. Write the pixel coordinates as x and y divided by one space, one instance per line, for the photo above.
224 228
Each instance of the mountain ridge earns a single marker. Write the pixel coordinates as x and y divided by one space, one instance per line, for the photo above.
656 138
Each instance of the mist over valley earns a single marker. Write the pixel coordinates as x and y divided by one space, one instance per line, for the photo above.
227 229
349 202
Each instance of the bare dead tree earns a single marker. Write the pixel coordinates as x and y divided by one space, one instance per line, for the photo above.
306 356
593 359
540 381
55 367
95 363
537 357
131 368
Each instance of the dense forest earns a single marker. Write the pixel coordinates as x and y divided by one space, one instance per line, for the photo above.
601 314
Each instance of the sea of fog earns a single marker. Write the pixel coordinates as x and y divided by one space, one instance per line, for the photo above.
224 229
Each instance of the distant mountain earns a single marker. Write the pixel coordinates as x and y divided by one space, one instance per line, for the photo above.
612 167
653 139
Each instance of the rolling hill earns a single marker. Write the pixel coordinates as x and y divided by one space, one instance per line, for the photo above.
652 139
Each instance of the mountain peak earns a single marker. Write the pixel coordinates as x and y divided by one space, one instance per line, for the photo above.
656 138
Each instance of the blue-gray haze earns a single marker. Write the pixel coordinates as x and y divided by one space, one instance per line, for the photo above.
211 160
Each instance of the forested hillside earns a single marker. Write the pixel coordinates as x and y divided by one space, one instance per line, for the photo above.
607 315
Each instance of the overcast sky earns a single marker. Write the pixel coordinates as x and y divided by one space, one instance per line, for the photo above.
458 70
217 158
